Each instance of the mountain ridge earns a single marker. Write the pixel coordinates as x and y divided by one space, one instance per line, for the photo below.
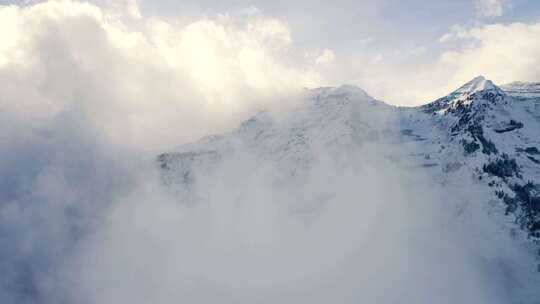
478 132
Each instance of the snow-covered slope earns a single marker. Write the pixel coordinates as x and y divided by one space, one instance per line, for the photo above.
498 135
480 126
480 144
332 118
522 89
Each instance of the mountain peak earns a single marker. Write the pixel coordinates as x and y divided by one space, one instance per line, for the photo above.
477 84
476 91
345 90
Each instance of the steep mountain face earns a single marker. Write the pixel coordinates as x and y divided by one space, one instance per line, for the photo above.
499 134
481 143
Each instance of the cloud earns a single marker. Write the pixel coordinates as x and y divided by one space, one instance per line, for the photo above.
502 52
456 32
343 229
133 9
417 51
491 8
90 95
135 75
378 58
327 57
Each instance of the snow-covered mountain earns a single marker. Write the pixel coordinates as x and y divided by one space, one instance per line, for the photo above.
493 132
480 142
499 134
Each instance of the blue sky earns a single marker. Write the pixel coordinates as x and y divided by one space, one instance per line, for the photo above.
345 24
400 34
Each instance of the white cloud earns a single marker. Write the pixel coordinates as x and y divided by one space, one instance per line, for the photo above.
366 40
143 79
133 9
456 32
89 96
417 51
327 57
378 58
503 53
491 8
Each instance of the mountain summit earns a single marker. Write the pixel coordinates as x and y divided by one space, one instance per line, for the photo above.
477 84
478 92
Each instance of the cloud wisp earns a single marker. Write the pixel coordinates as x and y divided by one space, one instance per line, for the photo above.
491 8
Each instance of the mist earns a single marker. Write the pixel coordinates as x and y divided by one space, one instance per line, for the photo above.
91 96
360 231
85 220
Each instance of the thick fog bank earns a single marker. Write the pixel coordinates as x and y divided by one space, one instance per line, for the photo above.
85 220
356 231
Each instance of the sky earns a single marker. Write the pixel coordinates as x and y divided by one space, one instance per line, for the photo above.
393 49
402 52
378 44
215 63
